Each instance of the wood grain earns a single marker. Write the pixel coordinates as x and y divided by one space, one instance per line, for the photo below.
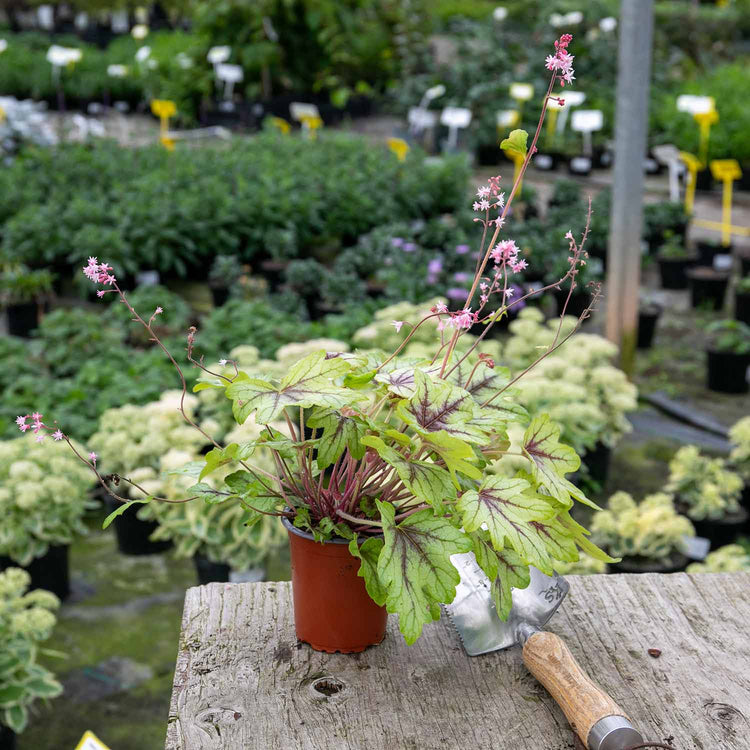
242 681
584 703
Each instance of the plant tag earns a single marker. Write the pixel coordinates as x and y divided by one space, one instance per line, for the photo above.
302 110
252 575
218 55
119 22
90 741
421 118
147 278
434 92
726 169
587 120
507 118
580 164
696 547
521 92
229 73
456 117
573 98
45 17
695 105
723 262
543 161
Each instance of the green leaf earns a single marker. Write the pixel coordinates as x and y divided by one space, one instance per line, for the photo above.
218 457
484 384
424 480
355 380
10 694
437 406
547 541
368 553
580 535
550 459
309 382
506 506
119 511
455 453
44 688
339 432
515 143
415 566
512 572
254 495
16 718
208 493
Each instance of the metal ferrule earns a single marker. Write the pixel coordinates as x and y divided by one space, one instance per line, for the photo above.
613 733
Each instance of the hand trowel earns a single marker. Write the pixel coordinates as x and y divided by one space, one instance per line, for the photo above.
595 717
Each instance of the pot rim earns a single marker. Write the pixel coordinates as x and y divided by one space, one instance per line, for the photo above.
289 526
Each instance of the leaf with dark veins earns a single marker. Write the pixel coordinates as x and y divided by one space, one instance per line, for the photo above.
512 572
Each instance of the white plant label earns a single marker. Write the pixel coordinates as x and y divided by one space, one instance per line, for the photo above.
456 117
587 120
573 98
695 105
723 262
229 73
696 547
302 110
3 45
218 55
507 118
45 16
420 118
521 92
119 22
117 71
435 92
143 53
500 13
580 164
608 24
139 31
62 56
81 21
543 161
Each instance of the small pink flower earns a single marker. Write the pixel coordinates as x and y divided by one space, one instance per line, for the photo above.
21 420
476 206
57 435
24 427
93 261
498 222
483 191
158 311
569 235
93 457
464 319
36 416
222 362
441 307
397 325
39 438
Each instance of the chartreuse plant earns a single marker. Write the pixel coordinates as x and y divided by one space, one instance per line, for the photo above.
26 619
389 450
731 558
651 529
43 496
703 485
739 436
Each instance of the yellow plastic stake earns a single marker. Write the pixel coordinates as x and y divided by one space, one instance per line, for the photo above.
693 164
281 124
2 115
164 109
726 170
311 124
399 147
517 160
705 120
90 741
552 113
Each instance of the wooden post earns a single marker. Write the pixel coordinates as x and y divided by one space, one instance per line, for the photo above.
626 218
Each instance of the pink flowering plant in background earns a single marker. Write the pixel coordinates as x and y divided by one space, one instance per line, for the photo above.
393 452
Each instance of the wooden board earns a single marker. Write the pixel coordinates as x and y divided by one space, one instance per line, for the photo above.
243 681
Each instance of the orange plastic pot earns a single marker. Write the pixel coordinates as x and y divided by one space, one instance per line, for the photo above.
332 610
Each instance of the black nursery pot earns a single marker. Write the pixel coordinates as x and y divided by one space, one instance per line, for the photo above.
50 571
133 534
707 287
707 251
7 738
23 319
597 462
727 371
487 154
745 264
673 272
742 307
675 563
220 295
579 301
547 161
722 531
210 572
704 180
745 499
648 317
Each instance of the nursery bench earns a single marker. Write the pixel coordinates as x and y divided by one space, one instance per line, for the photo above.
243 681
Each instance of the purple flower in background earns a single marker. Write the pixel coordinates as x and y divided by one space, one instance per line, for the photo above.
462 277
517 293
456 292
435 266
462 249
396 242
408 247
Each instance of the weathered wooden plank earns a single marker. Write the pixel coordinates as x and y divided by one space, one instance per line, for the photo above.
243 681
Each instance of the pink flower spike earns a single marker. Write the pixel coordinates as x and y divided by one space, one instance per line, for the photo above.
93 261
569 235
57 435
100 293
39 438
93 457
397 325
222 362
158 311
21 420
24 427
36 416
441 307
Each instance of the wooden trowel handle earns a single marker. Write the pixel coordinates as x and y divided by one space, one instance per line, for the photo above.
583 702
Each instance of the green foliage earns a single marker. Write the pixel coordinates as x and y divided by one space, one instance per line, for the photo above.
731 558
174 319
739 436
703 485
26 619
664 222
651 529
743 285
729 336
43 496
19 285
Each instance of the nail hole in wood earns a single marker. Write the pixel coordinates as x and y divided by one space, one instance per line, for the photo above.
328 686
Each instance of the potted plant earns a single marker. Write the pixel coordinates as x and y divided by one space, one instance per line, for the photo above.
134 437
26 619
22 294
225 273
708 287
708 493
739 458
649 312
674 261
43 498
648 536
728 353
664 221
709 249
392 482
742 300
732 558
744 254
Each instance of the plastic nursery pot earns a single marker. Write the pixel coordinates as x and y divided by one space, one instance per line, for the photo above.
727 371
51 571
7 738
722 531
745 264
707 251
220 295
673 272
742 307
210 572
547 161
703 180
597 462
675 563
579 301
648 317
133 534
707 287
332 610
487 154
22 319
